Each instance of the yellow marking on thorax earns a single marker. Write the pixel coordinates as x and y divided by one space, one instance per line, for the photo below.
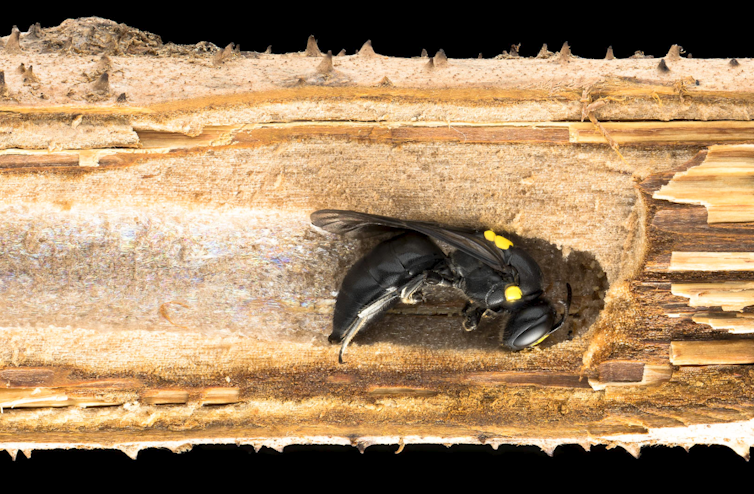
503 243
512 293
500 241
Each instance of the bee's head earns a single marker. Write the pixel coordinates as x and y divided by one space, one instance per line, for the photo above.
531 324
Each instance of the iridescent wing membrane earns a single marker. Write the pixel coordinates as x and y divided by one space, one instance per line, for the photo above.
351 223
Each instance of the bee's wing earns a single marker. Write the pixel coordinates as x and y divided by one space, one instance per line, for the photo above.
354 223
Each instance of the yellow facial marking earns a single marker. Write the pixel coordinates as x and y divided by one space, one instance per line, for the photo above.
502 242
512 293
489 235
540 340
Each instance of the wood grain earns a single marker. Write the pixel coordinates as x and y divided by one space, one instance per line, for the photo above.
712 261
734 322
547 379
724 352
690 231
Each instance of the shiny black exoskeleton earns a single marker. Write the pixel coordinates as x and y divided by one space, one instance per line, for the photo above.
492 273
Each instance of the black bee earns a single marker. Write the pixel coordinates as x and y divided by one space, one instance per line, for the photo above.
494 275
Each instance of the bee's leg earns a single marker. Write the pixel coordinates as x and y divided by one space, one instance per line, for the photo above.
441 275
415 298
411 292
492 313
377 307
438 276
472 314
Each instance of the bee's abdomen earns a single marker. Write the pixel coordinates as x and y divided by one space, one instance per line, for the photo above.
389 266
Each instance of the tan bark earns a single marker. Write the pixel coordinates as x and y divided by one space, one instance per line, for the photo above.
157 261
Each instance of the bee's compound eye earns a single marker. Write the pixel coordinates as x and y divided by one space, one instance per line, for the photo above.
528 326
534 335
541 339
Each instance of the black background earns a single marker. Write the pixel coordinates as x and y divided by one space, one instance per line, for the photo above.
463 30
402 29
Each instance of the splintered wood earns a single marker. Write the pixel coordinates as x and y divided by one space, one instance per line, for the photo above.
157 261
730 295
712 261
734 323
712 352
722 184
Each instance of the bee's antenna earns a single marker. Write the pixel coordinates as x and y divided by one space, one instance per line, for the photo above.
567 308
